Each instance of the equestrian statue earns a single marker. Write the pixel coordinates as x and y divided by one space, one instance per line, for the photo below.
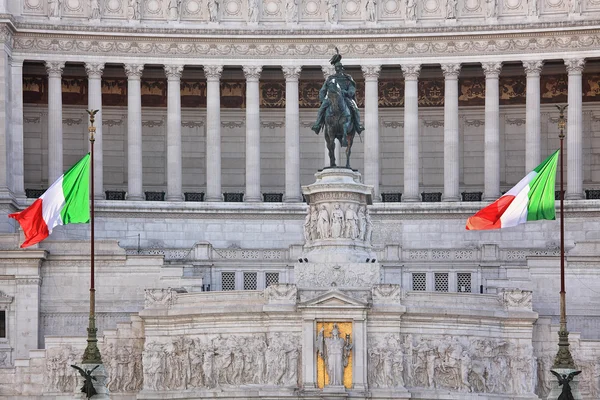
338 115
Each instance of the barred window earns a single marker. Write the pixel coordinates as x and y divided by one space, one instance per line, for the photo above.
2 324
419 281
441 282
249 280
271 278
227 280
463 282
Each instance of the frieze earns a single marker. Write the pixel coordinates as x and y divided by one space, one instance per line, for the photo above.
548 42
328 196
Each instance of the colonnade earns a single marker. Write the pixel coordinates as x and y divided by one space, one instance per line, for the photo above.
371 173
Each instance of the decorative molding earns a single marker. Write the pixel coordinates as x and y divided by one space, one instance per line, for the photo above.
515 121
491 69
151 123
575 65
134 70
94 70
393 124
32 120
192 124
72 121
213 72
173 71
371 72
252 72
411 71
291 73
112 122
451 70
533 68
55 69
474 122
233 124
272 124
433 124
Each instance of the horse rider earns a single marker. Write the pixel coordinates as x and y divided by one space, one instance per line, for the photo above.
348 88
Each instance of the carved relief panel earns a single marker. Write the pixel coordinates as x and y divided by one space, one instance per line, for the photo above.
389 10
35 7
194 10
114 9
432 9
312 10
233 10
153 9
514 7
471 8
275 10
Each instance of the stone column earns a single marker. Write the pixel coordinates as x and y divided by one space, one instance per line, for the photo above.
252 73
574 130
94 72
134 131
411 133
5 141
492 131
533 131
55 127
329 70
213 132
16 128
174 192
371 177
451 136
292 135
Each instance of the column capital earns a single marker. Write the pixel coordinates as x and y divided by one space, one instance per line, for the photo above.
291 73
491 69
371 72
55 69
213 71
173 71
94 70
16 62
134 70
252 72
411 71
328 70
451 70
575 65
533 68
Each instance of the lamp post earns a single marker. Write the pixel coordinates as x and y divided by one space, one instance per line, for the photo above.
563 359
91 354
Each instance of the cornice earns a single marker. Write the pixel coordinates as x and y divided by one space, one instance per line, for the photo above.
75 47
309 31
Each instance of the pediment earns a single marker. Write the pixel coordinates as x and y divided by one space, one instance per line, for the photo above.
334 299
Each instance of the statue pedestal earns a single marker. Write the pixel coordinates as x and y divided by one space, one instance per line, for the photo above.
556 390
338 227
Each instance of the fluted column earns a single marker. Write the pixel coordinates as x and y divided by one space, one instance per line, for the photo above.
492 131
252 73
94 73
574 130
329 70
55 117
134 131
371 177
533 131
451 142
213 132
173 72
292 135
411 133
16 128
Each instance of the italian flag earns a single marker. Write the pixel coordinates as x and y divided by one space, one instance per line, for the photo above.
65 202
531 199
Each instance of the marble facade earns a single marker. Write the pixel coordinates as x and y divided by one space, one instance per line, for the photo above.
458 98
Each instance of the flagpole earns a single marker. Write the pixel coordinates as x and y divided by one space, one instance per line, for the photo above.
563 359
92 353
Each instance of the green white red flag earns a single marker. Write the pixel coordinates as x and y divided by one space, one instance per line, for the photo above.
531 199
65 202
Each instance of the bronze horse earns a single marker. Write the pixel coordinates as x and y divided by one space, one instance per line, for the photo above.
338 123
